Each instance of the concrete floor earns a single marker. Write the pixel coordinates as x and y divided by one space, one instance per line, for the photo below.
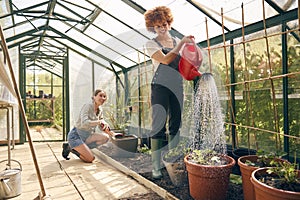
74 179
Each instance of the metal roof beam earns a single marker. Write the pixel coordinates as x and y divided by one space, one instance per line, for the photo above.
49 12
85 47
85 56
132 28
108 46
19 42
19 24
207 14
142 10
274 6
22 10
255 27
55 16
83 19
43 68
26 33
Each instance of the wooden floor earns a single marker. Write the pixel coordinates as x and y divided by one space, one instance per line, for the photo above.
73 179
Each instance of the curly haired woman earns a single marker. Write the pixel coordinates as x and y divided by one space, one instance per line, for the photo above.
167 83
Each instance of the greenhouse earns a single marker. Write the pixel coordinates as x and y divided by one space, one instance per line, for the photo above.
55 55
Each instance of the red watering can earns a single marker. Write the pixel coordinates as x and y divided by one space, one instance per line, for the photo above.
190 61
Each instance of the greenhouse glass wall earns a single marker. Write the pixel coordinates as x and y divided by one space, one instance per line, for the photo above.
63 51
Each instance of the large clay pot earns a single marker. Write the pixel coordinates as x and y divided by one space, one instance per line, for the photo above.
239 152
246 172
209 182
265 192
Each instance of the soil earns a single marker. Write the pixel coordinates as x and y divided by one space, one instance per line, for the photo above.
275 181
141 164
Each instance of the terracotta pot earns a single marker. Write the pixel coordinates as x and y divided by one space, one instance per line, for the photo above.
176 171
237 153
246 172
209 182
266 192
125 146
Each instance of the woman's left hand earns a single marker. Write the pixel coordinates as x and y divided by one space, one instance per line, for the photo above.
188 39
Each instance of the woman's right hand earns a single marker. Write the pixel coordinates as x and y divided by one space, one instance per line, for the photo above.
104 125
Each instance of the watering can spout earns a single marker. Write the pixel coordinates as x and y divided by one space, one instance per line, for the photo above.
188 70
5 187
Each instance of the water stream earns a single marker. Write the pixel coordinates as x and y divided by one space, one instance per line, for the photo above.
208 117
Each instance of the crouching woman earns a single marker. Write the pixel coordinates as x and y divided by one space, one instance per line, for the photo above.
87 133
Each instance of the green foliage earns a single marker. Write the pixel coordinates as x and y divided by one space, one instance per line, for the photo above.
265 159
235 179
58 109
144 149
39 109
255 108
286 172
178 152
116 118
206 157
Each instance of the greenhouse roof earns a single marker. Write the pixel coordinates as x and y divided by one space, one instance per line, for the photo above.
112 33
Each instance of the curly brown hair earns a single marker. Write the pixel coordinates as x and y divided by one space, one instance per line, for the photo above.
157 16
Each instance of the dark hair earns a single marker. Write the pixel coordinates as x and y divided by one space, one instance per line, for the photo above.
96 92
156 16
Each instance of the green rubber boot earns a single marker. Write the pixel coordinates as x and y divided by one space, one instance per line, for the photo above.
156 145
173 140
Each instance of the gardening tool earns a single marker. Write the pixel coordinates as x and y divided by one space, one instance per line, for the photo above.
113 134
10 181
22 111
190 61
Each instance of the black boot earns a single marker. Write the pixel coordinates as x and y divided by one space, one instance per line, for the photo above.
66 151
75 152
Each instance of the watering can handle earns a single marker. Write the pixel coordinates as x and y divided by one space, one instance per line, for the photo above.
14 161
196 48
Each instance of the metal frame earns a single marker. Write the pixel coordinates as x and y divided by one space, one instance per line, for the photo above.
41 33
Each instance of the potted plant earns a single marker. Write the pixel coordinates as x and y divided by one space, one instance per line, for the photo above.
208 174
207 164
117 119
125 146
281 182
250 163
239 152
173 161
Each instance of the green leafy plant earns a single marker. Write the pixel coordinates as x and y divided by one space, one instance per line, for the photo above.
116 118
206 157
235 179
284 175
265 159
144 149
178 152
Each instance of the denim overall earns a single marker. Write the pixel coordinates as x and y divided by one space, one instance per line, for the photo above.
166 97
